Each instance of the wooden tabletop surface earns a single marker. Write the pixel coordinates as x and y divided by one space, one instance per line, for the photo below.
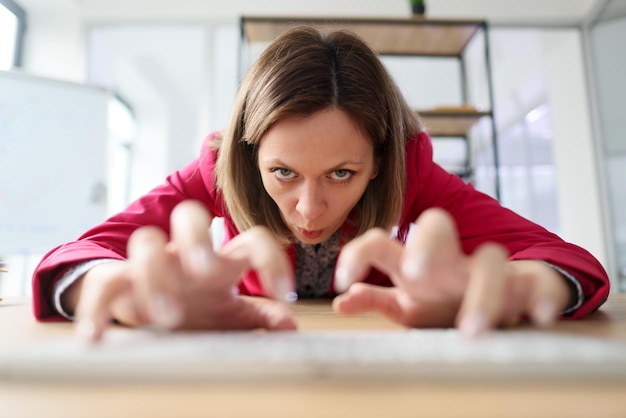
314 397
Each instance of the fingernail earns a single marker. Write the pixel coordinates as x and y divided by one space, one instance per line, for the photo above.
86 329
342 279
412 232
413 267
284 291
166 313
473 325
200 260
545 312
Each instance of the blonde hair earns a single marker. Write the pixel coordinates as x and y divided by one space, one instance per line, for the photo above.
302 72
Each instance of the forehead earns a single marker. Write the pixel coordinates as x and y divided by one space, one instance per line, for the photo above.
327 132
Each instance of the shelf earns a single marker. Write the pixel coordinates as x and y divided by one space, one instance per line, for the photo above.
411 36
449 122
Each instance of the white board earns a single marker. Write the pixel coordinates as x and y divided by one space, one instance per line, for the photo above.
53 137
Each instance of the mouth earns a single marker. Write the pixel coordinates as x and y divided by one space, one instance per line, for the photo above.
311 234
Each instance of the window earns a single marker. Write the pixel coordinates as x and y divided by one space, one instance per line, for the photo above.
12 22
527 168
122 127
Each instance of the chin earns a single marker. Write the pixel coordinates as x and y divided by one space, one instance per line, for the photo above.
309 241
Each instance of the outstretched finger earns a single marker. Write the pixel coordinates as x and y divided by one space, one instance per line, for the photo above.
374 248
544 292
257 249
93 313
395 304
269 314
433 252
482 304
155 285
191 235
363 297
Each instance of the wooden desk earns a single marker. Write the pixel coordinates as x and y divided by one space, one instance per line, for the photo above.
314 398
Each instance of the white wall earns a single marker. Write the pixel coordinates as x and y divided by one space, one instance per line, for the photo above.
579 199
54 45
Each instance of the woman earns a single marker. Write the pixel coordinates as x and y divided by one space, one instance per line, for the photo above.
321 154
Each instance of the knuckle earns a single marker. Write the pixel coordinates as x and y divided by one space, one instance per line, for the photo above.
492 250
185 206
188 221
375 235
261 238
146 235
260 232
359 288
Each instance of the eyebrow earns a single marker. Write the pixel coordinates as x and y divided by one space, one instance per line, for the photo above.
279 162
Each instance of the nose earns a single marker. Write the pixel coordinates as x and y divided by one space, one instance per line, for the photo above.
311 201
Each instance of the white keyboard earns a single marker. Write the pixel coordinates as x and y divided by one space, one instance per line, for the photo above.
427 354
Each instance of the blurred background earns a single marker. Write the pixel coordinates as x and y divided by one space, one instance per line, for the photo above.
168 71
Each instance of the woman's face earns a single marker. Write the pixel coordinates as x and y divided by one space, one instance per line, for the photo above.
316 168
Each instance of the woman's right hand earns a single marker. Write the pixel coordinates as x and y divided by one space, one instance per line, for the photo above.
183 283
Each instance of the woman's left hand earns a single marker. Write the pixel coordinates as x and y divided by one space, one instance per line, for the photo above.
436 285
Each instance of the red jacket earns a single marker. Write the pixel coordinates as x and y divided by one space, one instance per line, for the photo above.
479 218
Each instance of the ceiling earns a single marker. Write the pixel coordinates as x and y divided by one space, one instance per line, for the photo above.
497 11
613 9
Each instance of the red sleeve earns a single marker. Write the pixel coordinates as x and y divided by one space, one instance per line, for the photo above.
108 240
480 218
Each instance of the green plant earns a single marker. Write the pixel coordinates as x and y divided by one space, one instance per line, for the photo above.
418 6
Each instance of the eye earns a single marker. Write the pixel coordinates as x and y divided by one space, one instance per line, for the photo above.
283 173
342 174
